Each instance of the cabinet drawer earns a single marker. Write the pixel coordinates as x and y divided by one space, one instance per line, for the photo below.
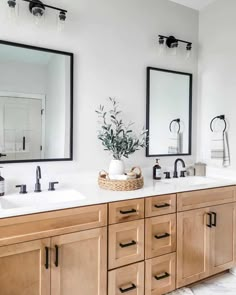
205 198
160 275
160 235
126 211
43 225
160 205
126 243
128 279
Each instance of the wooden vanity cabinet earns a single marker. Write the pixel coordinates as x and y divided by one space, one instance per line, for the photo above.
79 263
206 237
25 268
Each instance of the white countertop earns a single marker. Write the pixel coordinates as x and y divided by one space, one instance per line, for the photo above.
82 190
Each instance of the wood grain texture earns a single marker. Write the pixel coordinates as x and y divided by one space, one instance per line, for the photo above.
82 263
125 233
22 269
43 225
124 278
222 239
158 267
117 211
205 198
152 204
158 226
192 246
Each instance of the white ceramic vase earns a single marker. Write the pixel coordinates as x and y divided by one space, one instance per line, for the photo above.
116 167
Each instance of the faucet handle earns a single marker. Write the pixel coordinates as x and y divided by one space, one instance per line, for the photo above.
52 185
23 189
182 173
167 174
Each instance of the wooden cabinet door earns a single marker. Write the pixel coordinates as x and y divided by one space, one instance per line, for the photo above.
160 235
79 263
24 269
192 246
222 238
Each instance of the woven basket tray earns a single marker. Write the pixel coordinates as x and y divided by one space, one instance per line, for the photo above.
121 185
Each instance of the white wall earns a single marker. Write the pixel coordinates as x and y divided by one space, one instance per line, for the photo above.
217 63
113 42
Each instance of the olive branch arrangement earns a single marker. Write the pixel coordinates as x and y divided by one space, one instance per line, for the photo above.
116 136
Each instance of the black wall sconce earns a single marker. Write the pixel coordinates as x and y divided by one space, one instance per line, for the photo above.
37 9
173 43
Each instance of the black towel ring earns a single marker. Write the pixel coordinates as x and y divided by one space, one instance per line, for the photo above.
221 117
176 121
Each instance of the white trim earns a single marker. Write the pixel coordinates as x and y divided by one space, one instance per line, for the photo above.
41 97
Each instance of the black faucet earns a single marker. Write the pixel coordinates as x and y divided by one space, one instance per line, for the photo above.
175 169
38 177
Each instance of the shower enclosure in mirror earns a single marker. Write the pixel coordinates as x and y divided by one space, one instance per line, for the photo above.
169 112
36 104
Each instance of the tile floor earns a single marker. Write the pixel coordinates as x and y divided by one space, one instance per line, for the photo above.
221 285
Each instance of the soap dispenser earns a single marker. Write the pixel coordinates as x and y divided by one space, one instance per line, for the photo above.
157 171
2 185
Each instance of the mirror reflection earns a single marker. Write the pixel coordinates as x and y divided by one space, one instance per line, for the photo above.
35 103
168 112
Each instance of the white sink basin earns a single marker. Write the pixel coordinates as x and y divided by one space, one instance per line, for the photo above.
190 181
37 200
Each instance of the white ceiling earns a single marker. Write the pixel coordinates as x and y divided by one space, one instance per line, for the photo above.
195 4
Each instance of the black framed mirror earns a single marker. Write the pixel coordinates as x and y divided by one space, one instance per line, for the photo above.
36 104
169 113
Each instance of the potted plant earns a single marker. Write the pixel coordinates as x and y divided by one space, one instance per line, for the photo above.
117 137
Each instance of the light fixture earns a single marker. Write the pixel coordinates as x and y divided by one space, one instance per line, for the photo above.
188 50
37 8
11 9
61 20
161 49
173 43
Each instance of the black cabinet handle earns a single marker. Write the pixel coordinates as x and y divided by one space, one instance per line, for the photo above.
47 257
128 244
161 277
215 218
128 212
133 287
2 155
210 220
162 206
57 256
162 236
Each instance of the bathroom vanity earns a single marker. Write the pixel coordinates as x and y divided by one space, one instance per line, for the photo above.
149 245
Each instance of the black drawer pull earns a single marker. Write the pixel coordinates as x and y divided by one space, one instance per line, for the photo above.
47 258
162 206
210 220
128 244
162 236
57 256
161 277
214 220
133 287
128 212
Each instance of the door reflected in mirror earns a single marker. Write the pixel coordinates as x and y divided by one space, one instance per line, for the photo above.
169 112
36 88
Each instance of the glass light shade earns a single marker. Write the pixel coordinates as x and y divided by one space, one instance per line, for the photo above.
161 49
61 21
38 15
12 10
188 51
174 49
